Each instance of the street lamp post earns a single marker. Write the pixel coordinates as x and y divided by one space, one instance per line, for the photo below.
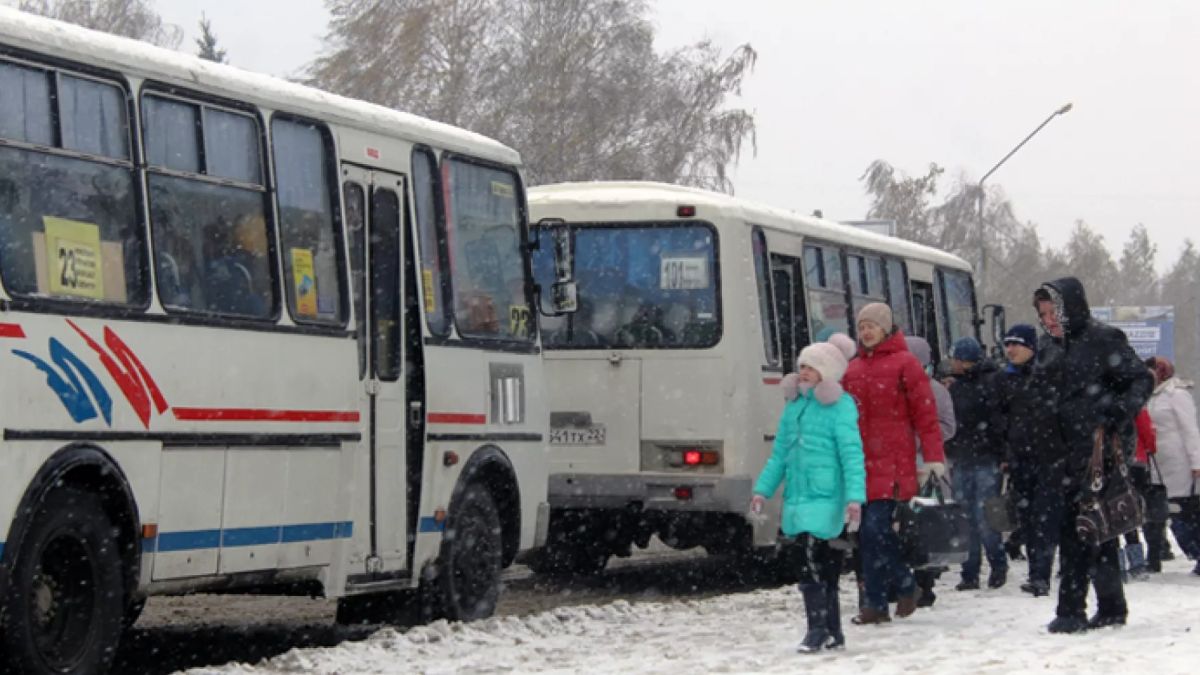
982 225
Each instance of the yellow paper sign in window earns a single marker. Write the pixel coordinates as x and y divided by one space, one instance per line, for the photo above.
305 279
430 298
73 258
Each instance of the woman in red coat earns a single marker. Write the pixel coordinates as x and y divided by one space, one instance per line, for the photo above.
896 407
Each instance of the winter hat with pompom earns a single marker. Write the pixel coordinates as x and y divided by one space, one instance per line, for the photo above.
826 359
878 314
845 343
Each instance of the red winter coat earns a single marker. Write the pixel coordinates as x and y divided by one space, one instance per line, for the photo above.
895 407
1147 444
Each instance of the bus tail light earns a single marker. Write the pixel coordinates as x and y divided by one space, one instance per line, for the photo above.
683 493
685 211
689 457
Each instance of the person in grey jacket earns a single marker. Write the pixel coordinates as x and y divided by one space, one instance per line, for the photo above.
926 578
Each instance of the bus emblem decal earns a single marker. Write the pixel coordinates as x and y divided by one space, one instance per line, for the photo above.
70 390
130 375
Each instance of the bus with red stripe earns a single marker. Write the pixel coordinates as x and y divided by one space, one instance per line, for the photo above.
253 338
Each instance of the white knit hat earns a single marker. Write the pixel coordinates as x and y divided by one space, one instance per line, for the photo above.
826 359
845 343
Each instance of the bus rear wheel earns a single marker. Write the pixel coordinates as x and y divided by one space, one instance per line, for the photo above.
64 607
468 580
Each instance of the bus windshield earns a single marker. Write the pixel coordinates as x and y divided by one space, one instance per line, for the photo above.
486 268
640 286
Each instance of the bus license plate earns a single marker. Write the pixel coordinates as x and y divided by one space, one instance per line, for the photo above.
593 435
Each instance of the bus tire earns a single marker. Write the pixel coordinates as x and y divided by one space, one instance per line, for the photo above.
468 575
64 608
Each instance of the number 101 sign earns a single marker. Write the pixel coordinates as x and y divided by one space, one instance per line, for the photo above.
678 273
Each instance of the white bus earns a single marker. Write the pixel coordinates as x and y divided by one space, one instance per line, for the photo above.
255 337
692 307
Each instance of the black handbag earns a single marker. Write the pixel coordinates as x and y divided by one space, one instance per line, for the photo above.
1158 509
1000 512
933 532
1111 505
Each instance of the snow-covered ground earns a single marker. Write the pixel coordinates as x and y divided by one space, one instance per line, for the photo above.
973 632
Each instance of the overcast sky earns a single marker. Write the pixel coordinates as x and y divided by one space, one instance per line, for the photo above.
839 84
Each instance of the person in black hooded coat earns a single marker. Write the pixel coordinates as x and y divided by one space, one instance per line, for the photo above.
1034 452
1100 383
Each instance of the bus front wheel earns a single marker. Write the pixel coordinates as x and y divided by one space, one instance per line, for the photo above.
65 604
468 580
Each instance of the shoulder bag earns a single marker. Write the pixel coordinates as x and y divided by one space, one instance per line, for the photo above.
1110 506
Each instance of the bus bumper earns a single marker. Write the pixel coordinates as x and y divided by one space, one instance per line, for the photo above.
652 492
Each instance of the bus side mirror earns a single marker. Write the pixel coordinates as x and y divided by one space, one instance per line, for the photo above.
564 297
999 327
564 292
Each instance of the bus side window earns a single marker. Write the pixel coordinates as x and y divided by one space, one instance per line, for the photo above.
208 209
827 305
69 226
309 231
766 301
356 227
431 233
898 296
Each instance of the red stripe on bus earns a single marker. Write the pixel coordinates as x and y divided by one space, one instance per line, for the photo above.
772 380
456 418
11 330
264 415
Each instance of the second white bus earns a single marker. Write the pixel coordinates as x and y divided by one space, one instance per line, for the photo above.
692 306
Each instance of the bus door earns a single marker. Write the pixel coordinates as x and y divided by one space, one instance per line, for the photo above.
789 308
375 219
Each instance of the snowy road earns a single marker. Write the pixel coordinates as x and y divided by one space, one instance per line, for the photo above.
757 631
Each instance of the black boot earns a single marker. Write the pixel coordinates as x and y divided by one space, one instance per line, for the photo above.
833 618
817 610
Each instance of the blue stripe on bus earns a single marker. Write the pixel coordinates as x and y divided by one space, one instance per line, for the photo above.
248 536
428 524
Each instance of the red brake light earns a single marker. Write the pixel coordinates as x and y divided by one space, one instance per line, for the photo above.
683 493
692 457
685 211
709 457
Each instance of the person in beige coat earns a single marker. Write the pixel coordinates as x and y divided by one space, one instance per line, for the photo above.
1173 411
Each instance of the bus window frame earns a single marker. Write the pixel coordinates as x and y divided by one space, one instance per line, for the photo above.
441 239
847 296
765 283
499 341
658 224
905 293
333 183
133 163
191 97
944 300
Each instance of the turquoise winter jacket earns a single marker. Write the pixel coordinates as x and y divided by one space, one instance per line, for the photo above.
818 456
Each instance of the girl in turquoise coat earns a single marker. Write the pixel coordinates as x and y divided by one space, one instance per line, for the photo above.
818 458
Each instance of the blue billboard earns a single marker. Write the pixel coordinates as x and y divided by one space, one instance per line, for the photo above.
1150 329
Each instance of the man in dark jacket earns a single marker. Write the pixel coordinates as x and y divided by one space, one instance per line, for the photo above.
1101 384
975 453
1035 455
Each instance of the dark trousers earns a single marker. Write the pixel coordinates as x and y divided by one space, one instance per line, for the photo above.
1185 525
1082 561
1038 489
879 548
815 561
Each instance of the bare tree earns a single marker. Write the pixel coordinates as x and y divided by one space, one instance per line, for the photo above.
130 18
575 85
206 44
